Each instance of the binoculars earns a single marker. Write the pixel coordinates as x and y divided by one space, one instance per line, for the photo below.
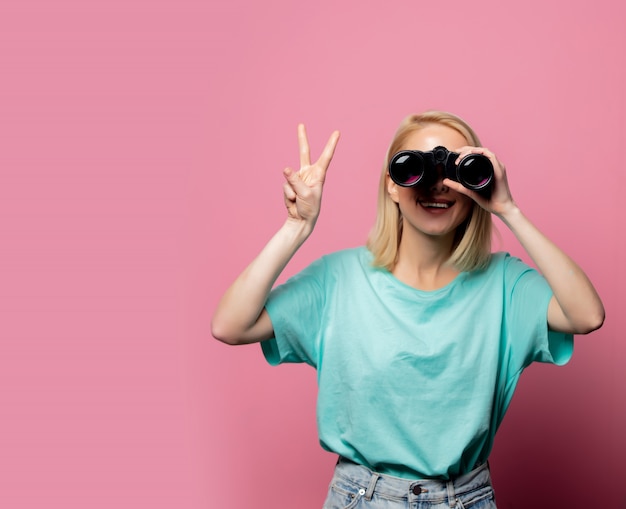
409 168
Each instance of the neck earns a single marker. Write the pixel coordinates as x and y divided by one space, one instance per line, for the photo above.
422 261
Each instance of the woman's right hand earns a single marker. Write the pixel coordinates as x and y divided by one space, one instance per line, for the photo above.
303 188
240 316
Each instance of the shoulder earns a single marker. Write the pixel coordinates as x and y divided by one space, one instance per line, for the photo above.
502 261
516 275
503 269
346 265
336 263
356 255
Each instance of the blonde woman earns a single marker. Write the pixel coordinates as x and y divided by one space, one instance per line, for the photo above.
420 337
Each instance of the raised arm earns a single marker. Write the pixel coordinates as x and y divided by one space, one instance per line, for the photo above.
575 306
240 316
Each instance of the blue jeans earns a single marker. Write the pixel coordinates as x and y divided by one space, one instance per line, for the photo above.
354 487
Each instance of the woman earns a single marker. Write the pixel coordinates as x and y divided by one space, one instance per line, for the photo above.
420 338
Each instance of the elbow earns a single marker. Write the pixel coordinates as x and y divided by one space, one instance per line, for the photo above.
591 323
223 334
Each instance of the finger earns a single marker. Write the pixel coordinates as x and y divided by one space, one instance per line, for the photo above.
461 189
297 185
303 142
463 152
455 186
475 150
329 150
290 194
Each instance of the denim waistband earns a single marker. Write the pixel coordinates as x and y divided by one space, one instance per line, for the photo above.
432 490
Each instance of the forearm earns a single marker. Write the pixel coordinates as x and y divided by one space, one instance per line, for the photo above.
577 307
237 316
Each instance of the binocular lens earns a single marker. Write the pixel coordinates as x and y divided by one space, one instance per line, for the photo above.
406 169
475 171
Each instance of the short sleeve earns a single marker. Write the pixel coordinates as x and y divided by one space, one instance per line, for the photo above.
296 311
527 296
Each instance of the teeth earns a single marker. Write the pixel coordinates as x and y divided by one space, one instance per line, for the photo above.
436 205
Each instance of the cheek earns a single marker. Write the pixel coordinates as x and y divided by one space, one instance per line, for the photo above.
465 208
404 195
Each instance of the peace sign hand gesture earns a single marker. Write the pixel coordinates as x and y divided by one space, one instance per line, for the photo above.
240 316
303 188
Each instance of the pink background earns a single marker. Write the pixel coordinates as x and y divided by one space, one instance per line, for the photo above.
141 149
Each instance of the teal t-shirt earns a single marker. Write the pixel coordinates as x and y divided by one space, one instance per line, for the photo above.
413 383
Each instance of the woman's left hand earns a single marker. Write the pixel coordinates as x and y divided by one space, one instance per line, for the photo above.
500 201
575 306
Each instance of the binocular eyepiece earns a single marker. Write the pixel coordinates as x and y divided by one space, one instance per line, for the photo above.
409 168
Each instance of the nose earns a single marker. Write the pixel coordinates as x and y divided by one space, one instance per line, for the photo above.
437 186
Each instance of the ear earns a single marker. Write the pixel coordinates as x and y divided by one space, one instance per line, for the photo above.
392 189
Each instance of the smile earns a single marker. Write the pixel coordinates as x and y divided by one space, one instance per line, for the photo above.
436 205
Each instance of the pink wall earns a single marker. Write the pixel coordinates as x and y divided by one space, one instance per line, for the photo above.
141 149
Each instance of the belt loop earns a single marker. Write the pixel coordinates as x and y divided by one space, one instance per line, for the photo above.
371 486
451 494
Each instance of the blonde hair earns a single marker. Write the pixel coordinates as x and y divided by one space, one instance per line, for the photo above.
472 243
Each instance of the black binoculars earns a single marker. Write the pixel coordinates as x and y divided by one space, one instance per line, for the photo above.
409 168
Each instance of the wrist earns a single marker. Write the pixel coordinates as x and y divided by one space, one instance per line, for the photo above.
510 214
297 230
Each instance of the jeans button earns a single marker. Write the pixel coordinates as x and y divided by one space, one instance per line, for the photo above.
416 490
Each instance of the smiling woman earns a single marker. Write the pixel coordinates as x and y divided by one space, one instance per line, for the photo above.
381 323
472 243
431 214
